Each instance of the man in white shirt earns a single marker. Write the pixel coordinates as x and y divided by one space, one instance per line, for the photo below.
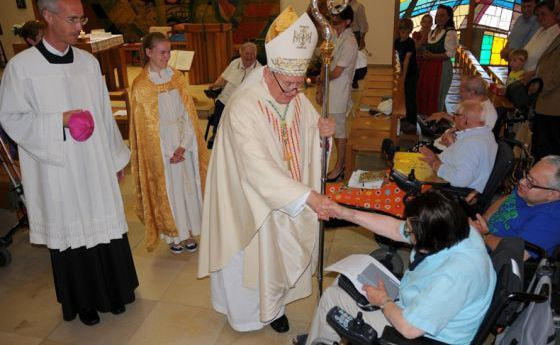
473 88
72 193
523 29
469 157
235 73
340 83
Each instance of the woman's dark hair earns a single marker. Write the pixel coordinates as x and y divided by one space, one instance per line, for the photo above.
346 14
31 29
438 220
149 41
450 23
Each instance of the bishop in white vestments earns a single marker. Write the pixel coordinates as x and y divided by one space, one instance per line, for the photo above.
259 240
72 193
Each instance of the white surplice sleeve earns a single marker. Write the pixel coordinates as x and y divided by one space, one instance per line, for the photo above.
37 132
187 135
294 208
120 153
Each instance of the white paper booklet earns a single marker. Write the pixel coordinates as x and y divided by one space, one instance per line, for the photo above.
361 268
354 181
181 59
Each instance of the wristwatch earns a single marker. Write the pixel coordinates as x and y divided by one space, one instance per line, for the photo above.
385 302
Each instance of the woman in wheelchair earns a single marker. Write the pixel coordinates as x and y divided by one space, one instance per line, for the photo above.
446 291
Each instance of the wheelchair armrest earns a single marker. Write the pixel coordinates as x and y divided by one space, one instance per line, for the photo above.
391 336
541 253
527 297
460 191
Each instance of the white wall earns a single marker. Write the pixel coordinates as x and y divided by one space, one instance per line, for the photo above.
10 15
380 15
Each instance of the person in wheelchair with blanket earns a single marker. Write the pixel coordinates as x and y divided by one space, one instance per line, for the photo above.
447 288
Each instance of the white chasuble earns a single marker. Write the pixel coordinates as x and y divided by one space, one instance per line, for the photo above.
257 169
71 189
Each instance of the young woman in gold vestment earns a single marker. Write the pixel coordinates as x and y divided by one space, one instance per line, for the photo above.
169 158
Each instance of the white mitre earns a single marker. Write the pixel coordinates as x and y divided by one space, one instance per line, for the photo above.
290 43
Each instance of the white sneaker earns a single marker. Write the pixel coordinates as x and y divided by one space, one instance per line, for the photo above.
176 248
190 247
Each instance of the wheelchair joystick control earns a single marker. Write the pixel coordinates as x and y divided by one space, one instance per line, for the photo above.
354 330
411 175
359 321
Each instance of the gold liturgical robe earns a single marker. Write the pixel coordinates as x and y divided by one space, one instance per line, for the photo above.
152 202
249 182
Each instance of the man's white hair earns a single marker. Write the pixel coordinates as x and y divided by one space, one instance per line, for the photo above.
555 161
49 5
472 109
247 45
476 84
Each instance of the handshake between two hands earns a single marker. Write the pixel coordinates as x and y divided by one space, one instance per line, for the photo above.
325 207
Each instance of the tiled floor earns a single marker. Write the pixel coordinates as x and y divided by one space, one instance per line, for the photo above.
172 305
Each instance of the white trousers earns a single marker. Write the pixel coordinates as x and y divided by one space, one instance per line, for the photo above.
239 303
335 296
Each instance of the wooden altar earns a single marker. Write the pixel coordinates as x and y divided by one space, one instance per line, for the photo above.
107 51
213 47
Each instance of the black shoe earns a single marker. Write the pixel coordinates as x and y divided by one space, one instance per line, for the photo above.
355 84
338 177
68 316
300 339
118 309
89 317
281 324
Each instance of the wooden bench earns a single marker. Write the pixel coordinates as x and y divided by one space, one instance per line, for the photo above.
367 132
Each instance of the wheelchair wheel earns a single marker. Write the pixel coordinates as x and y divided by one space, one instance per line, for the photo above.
5 256
390 259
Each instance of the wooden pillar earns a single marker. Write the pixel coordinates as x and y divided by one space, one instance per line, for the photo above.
408 11
470 24
36 10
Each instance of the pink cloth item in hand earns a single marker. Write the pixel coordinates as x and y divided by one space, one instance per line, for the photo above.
81 125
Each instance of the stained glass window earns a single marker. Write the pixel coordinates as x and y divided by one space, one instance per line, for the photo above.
494 17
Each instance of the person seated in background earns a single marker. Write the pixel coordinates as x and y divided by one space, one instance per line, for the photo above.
470 152
32 32
473 88
449 284
517 60
237 71
531 211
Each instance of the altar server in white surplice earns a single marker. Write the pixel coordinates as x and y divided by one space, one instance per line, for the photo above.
259 238
73 199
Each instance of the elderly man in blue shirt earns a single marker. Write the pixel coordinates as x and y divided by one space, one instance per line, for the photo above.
523 29
470 152
531 211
